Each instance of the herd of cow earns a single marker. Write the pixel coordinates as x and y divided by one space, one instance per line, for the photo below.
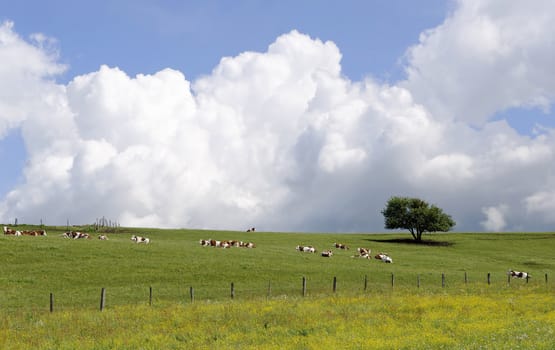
11 231
68 234
364 253
361 252
225 244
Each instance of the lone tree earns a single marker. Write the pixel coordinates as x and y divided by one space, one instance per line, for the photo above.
415 215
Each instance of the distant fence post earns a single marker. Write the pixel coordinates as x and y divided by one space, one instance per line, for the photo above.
192 294
418 281
527 278
465 278
365 282
232 290
442 280
102 298
509 279
150 295
392 280
51 302
546 279
489 278
334 284
304 286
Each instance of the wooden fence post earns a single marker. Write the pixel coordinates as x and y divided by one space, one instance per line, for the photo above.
150 295
527 278
442 280
465 278
418 281
51 302
365 282
334 284
192 294
232 290
489 278
509 279
304 286
546 279
392 279
102 298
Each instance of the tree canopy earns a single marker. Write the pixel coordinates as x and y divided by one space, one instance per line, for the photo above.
415 215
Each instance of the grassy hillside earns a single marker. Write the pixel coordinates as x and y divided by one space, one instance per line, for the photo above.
459 315
76 270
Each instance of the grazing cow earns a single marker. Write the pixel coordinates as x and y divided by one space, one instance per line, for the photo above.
252 229
384 257
11 231
103 238
308 249
139 239
363 253
518 274
327 253
341 246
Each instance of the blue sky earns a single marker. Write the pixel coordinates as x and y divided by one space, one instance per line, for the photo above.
470 79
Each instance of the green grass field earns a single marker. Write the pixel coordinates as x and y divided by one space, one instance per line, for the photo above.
269 277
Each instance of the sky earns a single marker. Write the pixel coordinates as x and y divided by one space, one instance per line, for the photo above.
280 115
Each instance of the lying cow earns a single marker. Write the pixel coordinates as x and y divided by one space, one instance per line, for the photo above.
307 249
363 253
341 246
518 274
76 235
33 233
11 231
139 239
384 257
102 238
327 253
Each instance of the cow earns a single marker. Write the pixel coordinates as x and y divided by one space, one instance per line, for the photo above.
518 274
76 235
34 233
308 249
139 239
252 229
384 257
204 242
327 253
341 246
11 231
363 253
249 245
103 238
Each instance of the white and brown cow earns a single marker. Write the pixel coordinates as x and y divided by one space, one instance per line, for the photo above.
139 239
518 274
11 231
76 235
327 253
103 237
341 246
307 249
33 233
384 257
363 253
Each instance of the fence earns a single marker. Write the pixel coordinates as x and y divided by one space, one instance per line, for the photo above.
334 287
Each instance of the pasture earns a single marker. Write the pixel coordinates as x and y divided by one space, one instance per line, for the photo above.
269 277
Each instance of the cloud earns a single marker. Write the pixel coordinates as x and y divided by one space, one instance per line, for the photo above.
281 140
486 57
495 218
